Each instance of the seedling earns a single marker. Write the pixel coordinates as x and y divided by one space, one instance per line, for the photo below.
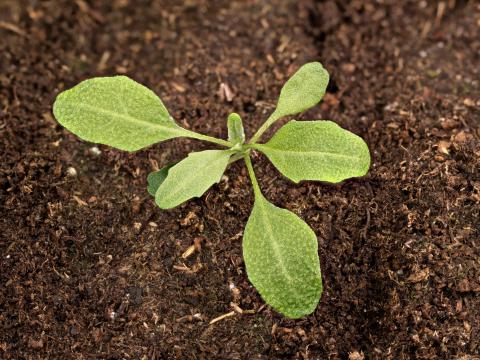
279 249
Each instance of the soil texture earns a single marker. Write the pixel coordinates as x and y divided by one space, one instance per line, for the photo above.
92 269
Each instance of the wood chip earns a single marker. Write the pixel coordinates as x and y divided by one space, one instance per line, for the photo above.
463 137
442 147
178 87
187 253
419 276
355 355
79 201
189 219
440 12
469 102
225 93
102 64
182 267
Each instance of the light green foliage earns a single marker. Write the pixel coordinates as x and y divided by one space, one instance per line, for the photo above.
280 253
115 111
236 134
191 177
317 150
156 178
279 248
303 90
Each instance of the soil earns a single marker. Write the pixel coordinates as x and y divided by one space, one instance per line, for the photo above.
91 268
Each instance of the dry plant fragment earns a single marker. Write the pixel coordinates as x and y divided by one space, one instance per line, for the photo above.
221 317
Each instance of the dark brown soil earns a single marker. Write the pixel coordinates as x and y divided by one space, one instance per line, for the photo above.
90 268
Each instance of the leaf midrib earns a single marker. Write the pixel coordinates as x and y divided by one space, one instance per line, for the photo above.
275 246
183 184
170 126
309 152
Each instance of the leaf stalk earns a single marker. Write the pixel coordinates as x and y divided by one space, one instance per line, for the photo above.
195 135
253 179
271 119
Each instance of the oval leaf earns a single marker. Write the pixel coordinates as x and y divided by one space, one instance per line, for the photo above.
191 177
317 150
156 178
236 134
115 111
280 253
303 90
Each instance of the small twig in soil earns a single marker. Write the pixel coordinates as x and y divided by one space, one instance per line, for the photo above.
79 201
221 317
239 310
190 318
188 270
12 27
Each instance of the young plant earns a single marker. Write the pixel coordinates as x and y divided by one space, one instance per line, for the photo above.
279 249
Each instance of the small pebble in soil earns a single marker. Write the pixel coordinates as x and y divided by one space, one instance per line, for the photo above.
94 150
72 172
73 330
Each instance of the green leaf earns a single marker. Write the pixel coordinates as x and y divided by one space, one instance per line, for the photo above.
115 111
303 90
156 178
236 134
191 177
317 150
280 253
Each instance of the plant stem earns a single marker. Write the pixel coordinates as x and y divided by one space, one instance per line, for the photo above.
271 119
238 156
195 135
253 179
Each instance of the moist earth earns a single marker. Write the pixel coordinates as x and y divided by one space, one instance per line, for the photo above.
91 268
